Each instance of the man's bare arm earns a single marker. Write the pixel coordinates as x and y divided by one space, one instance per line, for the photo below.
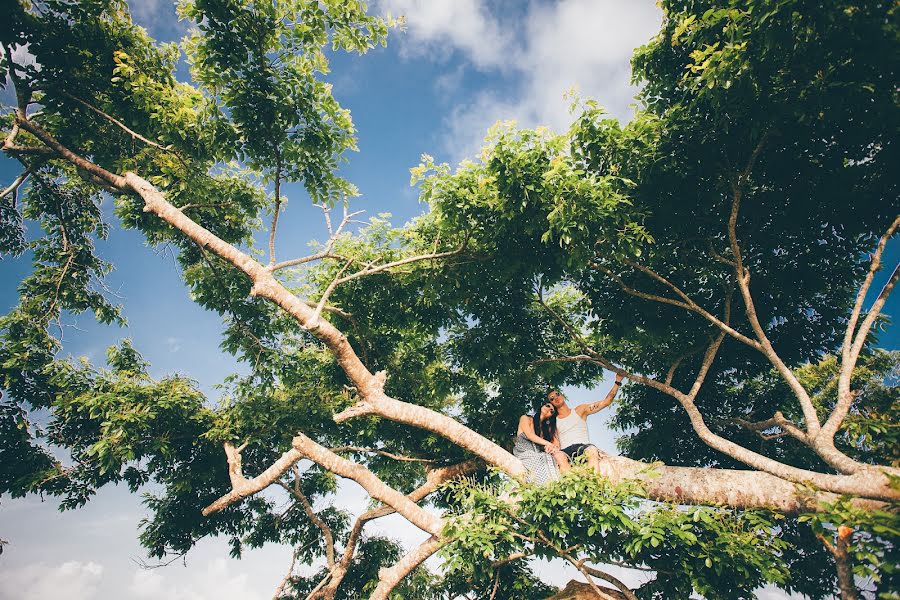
584 410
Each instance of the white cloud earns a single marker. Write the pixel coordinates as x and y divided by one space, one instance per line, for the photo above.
216 581
36 581
173 344
158 17
438 27
573 43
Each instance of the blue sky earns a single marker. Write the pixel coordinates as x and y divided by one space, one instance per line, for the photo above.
460 66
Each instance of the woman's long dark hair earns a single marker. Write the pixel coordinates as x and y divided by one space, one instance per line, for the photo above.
545 429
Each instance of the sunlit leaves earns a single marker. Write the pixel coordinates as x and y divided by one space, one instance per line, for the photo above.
717 552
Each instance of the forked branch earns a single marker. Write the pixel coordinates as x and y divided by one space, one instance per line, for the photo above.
742 275
326 252
434 479
373 269
854 339
241 487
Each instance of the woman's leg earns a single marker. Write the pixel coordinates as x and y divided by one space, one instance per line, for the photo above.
562 460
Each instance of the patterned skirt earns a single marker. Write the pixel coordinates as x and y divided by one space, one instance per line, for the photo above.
540 466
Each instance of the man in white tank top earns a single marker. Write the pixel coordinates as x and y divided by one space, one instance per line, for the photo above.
571 424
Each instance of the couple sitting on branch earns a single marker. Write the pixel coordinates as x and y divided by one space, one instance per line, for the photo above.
548 441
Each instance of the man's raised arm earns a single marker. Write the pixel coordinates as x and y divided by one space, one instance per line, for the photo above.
584 410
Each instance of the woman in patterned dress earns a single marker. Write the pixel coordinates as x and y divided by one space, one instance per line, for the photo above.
537 445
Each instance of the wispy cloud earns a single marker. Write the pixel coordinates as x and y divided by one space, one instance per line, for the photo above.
585 44
439 27
158 17
75 580
216 581
173 344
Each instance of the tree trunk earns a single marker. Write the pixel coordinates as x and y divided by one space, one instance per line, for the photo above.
577 590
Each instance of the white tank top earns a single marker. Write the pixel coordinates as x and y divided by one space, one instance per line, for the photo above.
572 430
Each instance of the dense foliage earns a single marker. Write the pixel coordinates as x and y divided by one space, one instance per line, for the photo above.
769 121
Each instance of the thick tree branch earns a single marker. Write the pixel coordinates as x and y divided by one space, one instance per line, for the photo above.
872 479
113 180
390 577
369 386
870 482
447 427
613 580
241 487
376 488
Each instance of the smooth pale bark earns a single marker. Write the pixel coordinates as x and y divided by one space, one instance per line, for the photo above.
453 430
377 489
434 479
242 487
390 577
727 487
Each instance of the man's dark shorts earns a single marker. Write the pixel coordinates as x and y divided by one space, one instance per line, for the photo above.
576 450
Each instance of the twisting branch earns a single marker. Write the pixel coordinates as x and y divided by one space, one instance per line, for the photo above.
778 420
854 340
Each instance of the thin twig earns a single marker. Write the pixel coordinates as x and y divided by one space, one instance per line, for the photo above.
329 245
371 270
279 591
117 123
399 457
